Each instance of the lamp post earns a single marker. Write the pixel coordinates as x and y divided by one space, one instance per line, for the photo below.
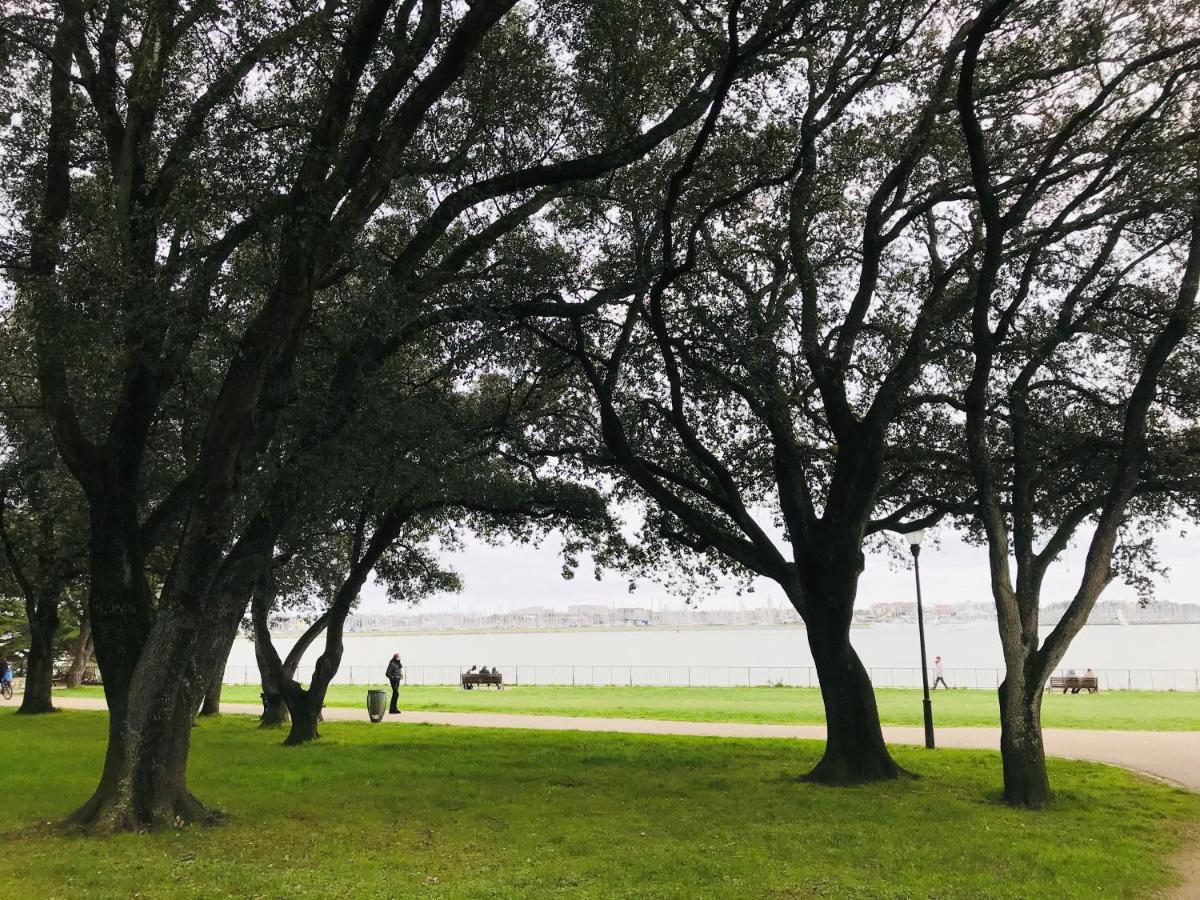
914 544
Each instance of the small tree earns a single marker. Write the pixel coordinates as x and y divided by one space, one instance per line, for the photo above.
1081 135
43 541
428 464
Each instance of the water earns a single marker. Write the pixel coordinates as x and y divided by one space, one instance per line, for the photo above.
1138 656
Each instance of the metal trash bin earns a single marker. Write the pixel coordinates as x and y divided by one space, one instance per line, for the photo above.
376 705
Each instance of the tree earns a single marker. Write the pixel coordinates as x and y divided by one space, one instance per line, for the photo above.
429 463
43 539
168 152
766 382
1080 398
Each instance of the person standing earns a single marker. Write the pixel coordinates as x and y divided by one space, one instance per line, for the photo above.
394 672
938 677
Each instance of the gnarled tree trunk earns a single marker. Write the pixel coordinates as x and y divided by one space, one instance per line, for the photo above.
81 653
855 751
144 784
304 707
211 705
120 614
152 686
280 689
39 667
271 670
275 710
1026 782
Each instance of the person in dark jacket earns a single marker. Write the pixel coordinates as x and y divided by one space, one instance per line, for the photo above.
394 671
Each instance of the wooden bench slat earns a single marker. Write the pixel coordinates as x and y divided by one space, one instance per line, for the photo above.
476 678
1074 682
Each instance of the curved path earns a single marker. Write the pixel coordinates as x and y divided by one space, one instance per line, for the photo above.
1172 756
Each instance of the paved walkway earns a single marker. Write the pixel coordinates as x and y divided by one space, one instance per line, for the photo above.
1170 755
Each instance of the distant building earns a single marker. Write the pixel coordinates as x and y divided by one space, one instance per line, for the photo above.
581 615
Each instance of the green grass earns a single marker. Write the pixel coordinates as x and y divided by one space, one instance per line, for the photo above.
424 811
1121 710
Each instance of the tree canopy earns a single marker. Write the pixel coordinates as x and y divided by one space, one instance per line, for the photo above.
299 287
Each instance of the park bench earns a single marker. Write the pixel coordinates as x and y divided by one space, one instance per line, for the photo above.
471 679
1075 683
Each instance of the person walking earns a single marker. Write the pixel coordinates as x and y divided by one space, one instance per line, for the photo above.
394 673
938 677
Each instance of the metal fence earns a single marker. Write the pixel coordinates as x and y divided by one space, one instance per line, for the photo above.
725 676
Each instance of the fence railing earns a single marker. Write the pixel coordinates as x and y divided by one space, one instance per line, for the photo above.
725 676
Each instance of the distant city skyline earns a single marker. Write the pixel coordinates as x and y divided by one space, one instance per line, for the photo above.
578 616
508 576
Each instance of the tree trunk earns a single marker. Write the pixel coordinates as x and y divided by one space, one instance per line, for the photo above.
211 705
305 706
153 678
270 669
81 653
305 710
120 616
855 752
275 711
39 668
144 784
1021 751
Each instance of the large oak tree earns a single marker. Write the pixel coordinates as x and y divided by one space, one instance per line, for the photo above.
766 381
166 156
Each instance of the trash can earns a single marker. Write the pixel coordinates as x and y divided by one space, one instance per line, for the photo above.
376 705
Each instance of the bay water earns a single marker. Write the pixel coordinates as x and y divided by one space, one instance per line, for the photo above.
1133 656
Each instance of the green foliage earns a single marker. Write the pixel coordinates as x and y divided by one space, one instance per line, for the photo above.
43 519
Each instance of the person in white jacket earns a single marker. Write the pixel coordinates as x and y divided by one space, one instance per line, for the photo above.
938 677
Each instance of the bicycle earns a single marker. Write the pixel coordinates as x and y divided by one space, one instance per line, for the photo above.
6 689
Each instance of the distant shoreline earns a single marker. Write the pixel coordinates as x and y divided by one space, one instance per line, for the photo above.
583 629
600 629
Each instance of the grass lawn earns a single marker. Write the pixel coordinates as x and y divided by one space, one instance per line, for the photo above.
1122 710
442 812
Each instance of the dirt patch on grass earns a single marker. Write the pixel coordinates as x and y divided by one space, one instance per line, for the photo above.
1187 864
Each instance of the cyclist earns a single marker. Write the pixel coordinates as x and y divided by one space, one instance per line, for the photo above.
5 677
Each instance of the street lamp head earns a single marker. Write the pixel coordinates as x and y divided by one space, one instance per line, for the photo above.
914 537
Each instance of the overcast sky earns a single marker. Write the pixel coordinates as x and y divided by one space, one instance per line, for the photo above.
505 577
